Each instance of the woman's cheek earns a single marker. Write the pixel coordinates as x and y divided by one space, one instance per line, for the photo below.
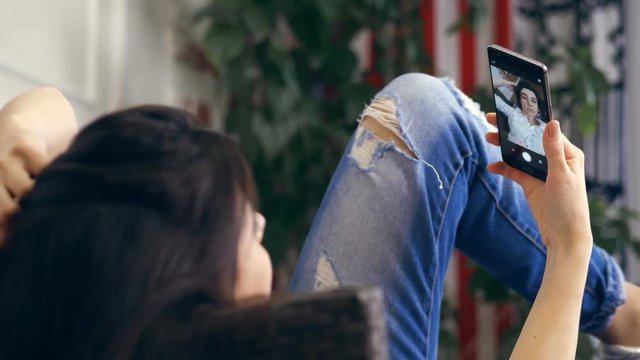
264 269
254 274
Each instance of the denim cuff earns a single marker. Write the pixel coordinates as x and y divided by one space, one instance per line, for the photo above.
604 292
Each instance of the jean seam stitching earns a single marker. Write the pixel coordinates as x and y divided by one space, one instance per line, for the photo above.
508 217
514 224
437 241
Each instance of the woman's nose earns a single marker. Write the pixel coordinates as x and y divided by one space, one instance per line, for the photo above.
261 223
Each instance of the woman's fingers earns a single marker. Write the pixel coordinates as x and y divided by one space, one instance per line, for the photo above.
33 153
18 182
560 152
7 208
492 138
554 146
574 156
7 205
492 119
524 180
19 165
502 169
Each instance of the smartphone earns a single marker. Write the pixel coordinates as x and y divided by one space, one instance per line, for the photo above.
523 108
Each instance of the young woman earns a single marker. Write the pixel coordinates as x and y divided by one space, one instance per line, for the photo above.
140 225
145 221
525 120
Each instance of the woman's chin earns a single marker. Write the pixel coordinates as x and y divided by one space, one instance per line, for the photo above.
255 292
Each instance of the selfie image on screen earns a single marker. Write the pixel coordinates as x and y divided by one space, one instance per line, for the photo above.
521 102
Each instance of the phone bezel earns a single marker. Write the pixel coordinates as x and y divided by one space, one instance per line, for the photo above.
518 64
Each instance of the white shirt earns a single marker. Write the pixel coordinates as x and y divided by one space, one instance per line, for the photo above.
521 132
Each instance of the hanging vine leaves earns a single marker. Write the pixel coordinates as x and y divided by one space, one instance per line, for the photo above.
294 91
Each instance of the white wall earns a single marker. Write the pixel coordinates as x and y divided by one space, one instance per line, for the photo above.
70 44
102 54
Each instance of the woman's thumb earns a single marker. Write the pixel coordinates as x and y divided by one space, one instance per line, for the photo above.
553 145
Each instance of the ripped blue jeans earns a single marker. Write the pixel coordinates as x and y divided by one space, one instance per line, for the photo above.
391 218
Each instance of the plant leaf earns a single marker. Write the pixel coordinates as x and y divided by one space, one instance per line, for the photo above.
224 43
587 116
258 21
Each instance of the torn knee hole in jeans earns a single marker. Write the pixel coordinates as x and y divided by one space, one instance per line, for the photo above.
380 119
326 277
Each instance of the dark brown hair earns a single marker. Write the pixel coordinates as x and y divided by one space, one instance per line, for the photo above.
140 218
542 106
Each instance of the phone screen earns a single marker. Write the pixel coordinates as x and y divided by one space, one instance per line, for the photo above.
523 110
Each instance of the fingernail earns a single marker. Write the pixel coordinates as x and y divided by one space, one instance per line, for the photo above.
554 129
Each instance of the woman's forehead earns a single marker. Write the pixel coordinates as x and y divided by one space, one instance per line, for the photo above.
526 91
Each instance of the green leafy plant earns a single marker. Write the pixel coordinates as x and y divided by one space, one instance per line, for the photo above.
477 13
611 226
587 84
293 90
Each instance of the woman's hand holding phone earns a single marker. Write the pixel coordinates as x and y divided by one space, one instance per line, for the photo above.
560 205
561 210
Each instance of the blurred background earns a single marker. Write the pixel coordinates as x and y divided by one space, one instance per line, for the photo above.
288 79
